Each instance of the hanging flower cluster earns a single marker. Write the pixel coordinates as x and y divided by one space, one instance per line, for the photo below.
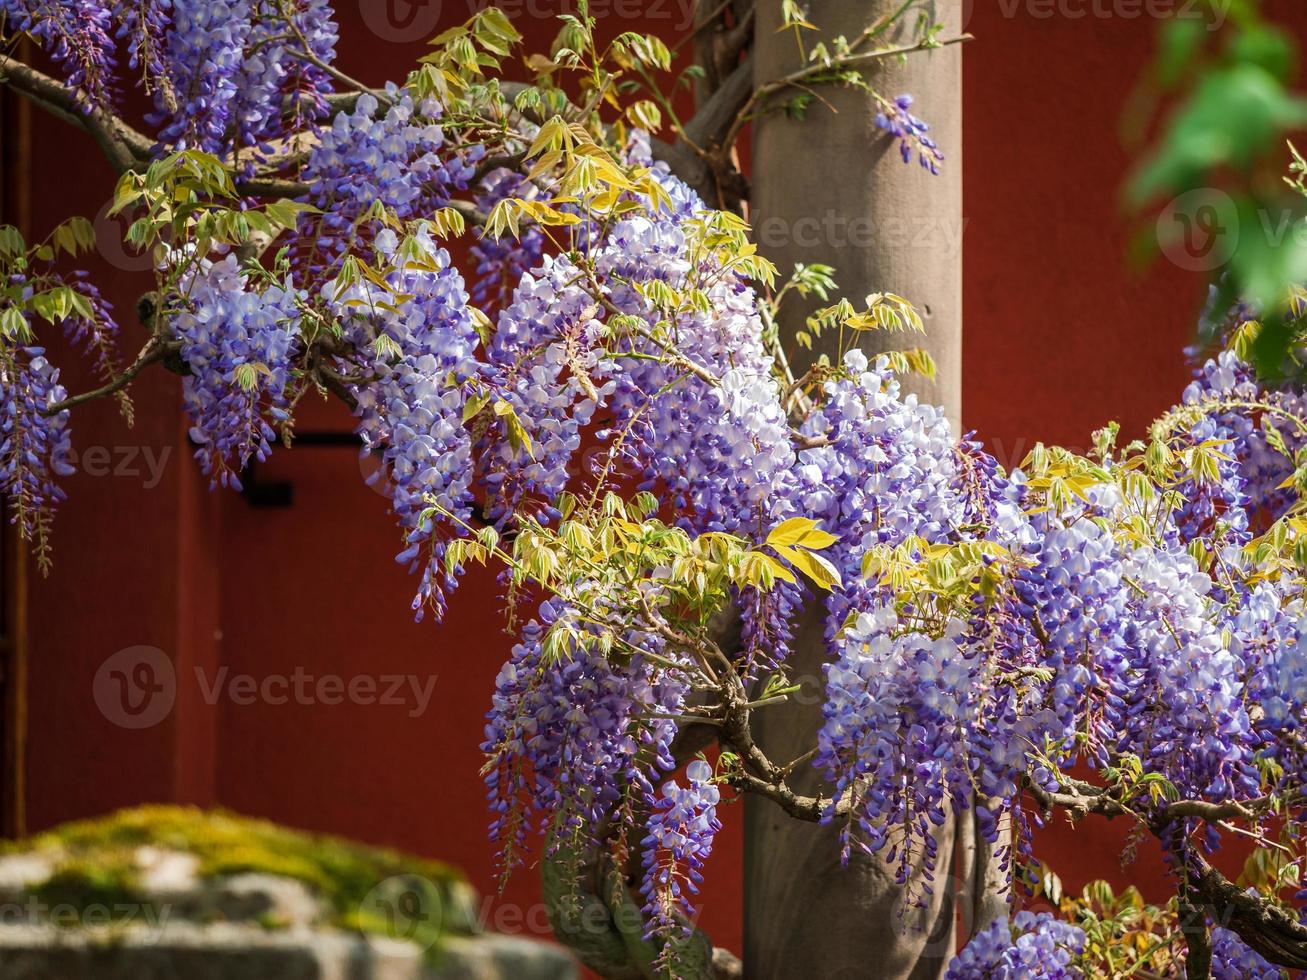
626 438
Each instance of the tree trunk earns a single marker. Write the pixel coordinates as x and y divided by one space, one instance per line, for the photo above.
832 188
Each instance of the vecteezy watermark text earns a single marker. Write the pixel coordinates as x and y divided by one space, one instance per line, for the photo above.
837 230
137 688
65 915
144 463
405 21
1213 13
302 688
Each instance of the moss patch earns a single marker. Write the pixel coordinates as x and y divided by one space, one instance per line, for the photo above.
95 864
82 883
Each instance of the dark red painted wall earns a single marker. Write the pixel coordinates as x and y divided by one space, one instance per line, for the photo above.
1060 337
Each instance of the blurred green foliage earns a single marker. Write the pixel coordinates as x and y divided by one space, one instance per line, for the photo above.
1221 99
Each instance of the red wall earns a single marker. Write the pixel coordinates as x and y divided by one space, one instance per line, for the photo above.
1061 336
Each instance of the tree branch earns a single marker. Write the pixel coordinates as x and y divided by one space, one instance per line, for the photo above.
1264 926
154 350
306 54
1193 925
811 73
125 147
734 41
707 21
703 159
711 124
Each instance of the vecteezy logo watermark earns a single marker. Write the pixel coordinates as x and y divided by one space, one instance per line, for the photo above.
136 687
1213 13
401 21
404 908
64 915
144 463
836 230
1199 231
406 21
302 688
110 238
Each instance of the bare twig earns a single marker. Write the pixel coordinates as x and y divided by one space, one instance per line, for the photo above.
154 350
809 73
305 53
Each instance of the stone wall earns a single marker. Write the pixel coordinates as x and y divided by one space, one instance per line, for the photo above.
174 894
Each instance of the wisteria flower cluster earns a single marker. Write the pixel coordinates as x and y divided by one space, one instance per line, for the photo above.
1137 609
78 35
1233 960
35 446
913 135
681 831
238 343
35 437
416 340
1026 946
371 157
574 736
226 75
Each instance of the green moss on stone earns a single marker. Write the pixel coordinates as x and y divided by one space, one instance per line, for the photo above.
95 864
86 882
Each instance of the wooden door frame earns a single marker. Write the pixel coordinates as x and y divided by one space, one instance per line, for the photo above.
15 209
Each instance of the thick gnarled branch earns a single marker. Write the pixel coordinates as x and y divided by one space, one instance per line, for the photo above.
125 148
1264 926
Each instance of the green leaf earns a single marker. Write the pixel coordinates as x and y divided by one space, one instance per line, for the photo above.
285 214
1181 40
518 438
475 404
801 531
817 568
646 115
13 324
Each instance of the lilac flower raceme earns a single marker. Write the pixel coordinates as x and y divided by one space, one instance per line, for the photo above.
1233 960
370 156
34 447
1185 713
416 341
233 76
894 716
78 34
889 471
144 24
238 343
204 55
1234 417
279 90
679 840
1025 947
571 742
1082 603
97 334
912 134
226 75
548 366
1269 637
